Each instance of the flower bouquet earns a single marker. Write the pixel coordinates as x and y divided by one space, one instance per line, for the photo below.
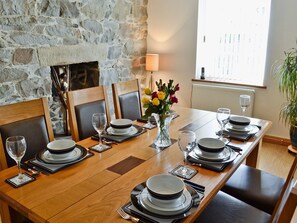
158 104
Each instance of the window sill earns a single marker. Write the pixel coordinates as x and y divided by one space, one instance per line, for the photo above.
221 81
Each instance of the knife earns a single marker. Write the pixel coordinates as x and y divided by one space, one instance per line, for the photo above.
30 170
195 186
30 165
235 148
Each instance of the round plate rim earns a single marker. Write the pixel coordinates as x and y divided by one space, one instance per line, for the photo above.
169 212
135 201
132 132
233 156
252 129
83 154
214 160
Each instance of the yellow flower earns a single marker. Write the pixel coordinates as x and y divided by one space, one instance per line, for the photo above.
155 101
145 100
147 91
161 95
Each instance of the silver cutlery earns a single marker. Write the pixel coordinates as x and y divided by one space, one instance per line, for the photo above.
108 142
33 172
126 216
37 169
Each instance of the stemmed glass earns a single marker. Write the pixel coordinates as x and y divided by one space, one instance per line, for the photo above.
99 123
223 115
16 147
186 143
244 101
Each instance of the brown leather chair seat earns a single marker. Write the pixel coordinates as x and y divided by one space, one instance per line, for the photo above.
255 187
227 209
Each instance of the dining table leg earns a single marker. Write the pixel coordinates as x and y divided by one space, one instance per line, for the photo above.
252 158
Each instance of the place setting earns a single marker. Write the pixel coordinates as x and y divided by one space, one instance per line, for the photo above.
213 154
120 130
239 128
163 198
59 154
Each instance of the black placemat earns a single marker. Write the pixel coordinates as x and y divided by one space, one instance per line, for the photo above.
53 168
121 138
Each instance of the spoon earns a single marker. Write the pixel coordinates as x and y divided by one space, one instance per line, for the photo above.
33 172
109 142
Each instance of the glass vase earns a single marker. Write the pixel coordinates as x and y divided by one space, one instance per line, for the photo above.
163 122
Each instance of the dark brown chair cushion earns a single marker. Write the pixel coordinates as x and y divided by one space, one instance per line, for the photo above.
35 132
84 114
227 209
255 187
130 106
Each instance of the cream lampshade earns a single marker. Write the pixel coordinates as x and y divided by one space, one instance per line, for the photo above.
152 64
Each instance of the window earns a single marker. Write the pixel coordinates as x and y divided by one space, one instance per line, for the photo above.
232 40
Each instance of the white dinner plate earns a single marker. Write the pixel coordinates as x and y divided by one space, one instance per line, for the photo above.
224 155
246 129
61 158
132 131
168 210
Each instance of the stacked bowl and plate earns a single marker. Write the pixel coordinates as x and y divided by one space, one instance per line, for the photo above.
165 196
121 127
240 127
60 152
213 150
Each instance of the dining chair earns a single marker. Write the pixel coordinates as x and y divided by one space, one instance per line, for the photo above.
225 208
127 99
259 188
81 106
30 119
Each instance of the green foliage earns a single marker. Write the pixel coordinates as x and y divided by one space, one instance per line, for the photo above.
288 86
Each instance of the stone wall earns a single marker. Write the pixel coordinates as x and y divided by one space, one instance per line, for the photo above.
35 34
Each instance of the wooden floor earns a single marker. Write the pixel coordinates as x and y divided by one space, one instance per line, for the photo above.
275 159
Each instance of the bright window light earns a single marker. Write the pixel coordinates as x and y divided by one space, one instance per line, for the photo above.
232 40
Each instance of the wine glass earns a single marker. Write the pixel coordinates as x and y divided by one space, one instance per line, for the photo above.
99 123
223 115
186 143
244 101
16 148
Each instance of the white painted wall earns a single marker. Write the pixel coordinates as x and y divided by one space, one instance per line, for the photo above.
172 28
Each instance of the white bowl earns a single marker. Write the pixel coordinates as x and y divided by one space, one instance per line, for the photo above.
121 123
61 146
211 145
121 131
165 186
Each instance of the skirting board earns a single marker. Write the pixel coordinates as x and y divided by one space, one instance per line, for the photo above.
277 140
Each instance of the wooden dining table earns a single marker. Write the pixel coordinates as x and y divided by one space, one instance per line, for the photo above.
93 189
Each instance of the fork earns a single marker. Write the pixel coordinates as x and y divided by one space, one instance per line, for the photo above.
126 216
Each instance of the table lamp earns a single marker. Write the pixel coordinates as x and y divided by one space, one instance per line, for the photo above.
152 64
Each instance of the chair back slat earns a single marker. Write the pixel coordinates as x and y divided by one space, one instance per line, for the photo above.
289 207
127 99
83 103
30 119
